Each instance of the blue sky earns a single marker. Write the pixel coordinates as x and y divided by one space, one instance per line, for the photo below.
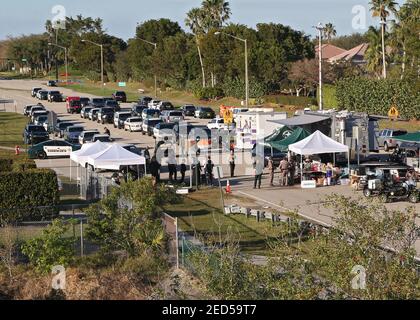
19 17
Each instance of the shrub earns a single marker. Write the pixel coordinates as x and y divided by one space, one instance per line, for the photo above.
52 248
236 88
292 100
22 193
329 96
377 96
209 93
6 165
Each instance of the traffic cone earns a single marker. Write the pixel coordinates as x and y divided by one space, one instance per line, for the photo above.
228 188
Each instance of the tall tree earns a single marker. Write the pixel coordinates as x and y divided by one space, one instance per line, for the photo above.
329 31
373 53
194 21
382 9
216 13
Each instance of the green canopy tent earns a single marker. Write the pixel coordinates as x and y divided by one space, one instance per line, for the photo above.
297 135
409 140
278 135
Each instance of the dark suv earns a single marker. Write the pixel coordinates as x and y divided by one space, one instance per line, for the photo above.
144 101
106 115
34 134
120 96
112 104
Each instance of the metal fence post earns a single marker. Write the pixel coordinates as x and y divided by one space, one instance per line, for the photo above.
183 250
81 238
177 243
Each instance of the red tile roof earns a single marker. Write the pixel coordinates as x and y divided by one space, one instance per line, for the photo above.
357 54
329 51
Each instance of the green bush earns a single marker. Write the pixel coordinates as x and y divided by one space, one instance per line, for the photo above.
292 100
23 194
329 96
377 96
52 248
236 88
6 165
209 93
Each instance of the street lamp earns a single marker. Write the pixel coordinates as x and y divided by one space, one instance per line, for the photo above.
246 63
65 57
383 26
155 45
102 58
320 29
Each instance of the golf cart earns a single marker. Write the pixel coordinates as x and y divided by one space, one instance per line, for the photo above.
386 183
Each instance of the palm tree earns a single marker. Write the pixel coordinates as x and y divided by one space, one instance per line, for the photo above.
382 9
329 31
194 21
216 13
374 52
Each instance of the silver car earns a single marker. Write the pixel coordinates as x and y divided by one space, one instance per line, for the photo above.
385 138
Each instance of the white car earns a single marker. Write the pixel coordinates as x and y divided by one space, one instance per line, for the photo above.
87 136
154 104
217 123
133 124
120 117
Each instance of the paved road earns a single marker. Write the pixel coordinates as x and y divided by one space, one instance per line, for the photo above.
309 202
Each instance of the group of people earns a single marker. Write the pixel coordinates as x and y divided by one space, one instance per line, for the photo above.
287 170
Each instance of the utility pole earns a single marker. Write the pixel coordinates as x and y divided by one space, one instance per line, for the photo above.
320 29
383 25
155 76
102 59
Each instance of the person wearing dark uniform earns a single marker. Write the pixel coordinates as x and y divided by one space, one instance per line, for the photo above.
183 169
209 171
154 170
232 164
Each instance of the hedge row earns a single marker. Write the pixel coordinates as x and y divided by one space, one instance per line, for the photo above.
23 193
377 96
292 100
16 165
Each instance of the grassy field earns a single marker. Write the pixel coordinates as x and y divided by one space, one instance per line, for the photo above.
200 214
404 125
11 128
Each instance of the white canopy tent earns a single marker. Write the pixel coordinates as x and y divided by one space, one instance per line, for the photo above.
318 143
81 156
114 157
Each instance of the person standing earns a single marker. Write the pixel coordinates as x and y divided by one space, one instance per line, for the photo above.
232 163
209 171
183 169
258 172
329 173
107 132
292 171
271 170
155 170
284 172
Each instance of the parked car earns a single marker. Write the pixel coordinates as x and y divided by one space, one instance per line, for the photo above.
119 96
132 148
136 110
87 136
35 109
144 101
97 102
204 113
84 101
148 126
61 127
133 124
55 96
165 105
150 114
385 138
188 110
73 104
52 148
101 137
27 109
42 95
34 134
34 91
120 117
40 120
153 104
164 131
36 114
217 123
52 83
93 114
71 134
172 116
105 115
112 104
84 113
